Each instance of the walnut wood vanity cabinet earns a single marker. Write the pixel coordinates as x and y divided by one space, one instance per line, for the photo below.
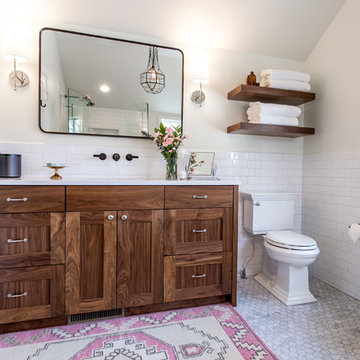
32 244
199 241
75 249
113 247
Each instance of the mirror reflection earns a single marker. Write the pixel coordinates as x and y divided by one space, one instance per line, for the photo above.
101 86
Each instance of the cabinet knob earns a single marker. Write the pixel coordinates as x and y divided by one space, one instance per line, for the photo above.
123 217
111 217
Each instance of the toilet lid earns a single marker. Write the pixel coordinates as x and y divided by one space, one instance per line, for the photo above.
290 240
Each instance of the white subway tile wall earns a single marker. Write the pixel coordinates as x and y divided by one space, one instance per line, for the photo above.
331 202
256 171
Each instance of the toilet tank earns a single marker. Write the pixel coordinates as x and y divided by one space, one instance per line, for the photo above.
264 212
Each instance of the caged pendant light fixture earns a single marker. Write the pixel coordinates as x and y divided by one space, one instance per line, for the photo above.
153 79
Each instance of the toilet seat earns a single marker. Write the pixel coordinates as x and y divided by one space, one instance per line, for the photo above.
290 240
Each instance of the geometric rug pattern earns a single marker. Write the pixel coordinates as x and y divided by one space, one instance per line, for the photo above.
215 332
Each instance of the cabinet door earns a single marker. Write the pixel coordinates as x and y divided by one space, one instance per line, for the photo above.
140 258
197 276
32 239
193 231
90 261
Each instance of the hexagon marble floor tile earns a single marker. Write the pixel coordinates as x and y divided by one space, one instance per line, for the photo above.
328 329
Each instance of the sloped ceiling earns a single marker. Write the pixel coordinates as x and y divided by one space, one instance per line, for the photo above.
281 28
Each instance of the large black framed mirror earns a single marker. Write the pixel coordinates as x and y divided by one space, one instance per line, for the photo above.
98 85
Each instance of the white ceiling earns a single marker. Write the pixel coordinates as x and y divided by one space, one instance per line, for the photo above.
281 28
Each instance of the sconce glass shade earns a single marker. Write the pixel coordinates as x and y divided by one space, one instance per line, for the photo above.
153 79
12 57
200 72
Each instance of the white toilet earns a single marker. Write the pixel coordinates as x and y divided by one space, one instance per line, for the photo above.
287 254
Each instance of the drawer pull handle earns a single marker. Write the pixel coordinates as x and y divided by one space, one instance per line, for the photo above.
11 199
16 296
200 196
124 217
111 217
199 231
10 241
198 276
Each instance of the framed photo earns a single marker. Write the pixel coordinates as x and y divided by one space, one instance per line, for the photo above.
201 164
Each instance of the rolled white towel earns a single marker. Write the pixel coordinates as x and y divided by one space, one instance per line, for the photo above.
273 109
286 84
274 120
286 75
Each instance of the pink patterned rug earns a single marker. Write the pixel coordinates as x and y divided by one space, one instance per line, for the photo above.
213 332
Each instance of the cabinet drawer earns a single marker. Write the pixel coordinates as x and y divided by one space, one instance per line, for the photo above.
15 199
31 239
31 293
177 197
90 198
191 231
197 276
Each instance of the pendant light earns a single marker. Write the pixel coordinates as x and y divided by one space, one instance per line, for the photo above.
153 79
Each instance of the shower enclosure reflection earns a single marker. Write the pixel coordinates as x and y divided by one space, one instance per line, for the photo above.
91 85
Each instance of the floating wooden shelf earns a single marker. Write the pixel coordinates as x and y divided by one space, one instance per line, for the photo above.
270 95
270 130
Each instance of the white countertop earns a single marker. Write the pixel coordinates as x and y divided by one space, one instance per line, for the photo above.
113 181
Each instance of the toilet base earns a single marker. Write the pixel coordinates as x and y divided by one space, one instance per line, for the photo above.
290 286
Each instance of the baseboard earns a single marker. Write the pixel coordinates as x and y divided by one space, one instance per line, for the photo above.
176 305
337 287
33 324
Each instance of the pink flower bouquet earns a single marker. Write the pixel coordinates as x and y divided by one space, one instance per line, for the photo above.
168 140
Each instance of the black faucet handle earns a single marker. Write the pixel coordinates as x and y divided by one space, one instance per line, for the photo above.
101 156
129 157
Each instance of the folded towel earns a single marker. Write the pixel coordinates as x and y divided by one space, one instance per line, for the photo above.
273 109
286 75
286 84
274 120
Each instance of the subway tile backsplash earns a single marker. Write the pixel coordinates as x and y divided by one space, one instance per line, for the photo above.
256 171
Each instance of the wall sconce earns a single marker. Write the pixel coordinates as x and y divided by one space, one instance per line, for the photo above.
17 77
200 76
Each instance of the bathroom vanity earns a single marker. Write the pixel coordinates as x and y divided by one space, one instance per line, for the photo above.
71 248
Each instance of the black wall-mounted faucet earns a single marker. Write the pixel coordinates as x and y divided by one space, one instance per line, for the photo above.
129 157
101 156
116 157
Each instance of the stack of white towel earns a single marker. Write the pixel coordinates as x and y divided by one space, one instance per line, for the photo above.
285 79
273 114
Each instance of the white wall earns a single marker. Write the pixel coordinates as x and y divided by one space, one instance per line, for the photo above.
206 125
334 66
331 174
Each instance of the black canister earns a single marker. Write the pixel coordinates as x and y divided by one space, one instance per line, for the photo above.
10 165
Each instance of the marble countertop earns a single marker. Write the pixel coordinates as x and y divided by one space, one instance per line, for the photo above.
114 181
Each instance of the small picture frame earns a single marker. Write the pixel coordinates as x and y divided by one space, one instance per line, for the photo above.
201 164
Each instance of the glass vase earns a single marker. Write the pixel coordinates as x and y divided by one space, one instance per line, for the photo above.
171 169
